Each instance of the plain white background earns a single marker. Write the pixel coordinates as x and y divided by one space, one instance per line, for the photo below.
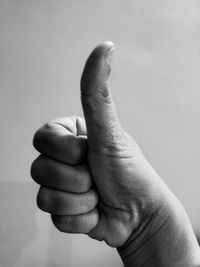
155 83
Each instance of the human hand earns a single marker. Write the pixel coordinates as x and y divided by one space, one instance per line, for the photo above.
96 180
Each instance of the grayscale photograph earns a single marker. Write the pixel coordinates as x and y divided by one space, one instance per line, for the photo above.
100 133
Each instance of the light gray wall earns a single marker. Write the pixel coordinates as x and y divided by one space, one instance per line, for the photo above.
155 81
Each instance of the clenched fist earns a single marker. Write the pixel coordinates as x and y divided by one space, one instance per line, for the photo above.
95 180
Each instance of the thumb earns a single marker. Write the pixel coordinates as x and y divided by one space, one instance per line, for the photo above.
103 127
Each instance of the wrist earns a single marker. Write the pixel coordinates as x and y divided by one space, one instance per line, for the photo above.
163 238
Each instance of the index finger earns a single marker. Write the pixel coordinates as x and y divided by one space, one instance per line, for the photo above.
63 139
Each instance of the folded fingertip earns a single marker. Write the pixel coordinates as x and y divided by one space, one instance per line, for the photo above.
83 223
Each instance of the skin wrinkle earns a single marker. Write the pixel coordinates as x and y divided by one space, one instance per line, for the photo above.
111 151
86 221
80 176
50 199
38 139
146 240
104 206
72 131
147 219
104 93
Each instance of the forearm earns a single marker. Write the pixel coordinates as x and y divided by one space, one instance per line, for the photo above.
165 240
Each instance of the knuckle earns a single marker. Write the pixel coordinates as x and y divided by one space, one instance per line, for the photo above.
43 199
37 139
40 199
58 222
65 224
91 101
48 126
35 169
104 93
43 136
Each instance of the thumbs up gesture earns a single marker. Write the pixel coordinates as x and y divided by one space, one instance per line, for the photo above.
95 179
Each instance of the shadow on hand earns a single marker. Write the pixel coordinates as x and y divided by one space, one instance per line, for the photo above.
198 238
